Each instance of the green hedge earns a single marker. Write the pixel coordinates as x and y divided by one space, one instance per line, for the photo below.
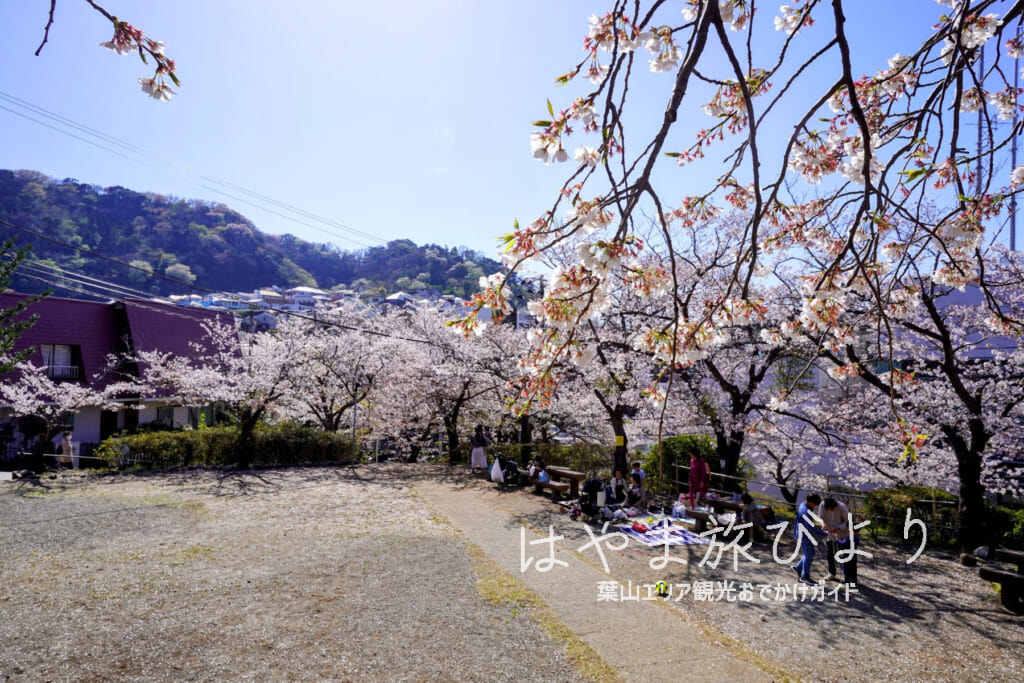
283 444
1007 527
887 510
675 450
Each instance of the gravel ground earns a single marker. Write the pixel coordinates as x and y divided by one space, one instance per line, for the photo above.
932 620
316 573
340 574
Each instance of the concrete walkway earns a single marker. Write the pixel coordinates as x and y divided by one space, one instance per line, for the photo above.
644 640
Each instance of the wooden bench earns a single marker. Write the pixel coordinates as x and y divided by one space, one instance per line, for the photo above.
1011 591
555 487
564 473
723 504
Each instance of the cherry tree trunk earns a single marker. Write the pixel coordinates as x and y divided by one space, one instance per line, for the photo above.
729 446
619 455
972 531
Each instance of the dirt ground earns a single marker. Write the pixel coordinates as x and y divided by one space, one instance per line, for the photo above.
344 574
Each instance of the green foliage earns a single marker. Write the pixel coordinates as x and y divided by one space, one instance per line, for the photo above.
887 510
289 443
208 243
12 323
792 373
283 444
675 450
1007 527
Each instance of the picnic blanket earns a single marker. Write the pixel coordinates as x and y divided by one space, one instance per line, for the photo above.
661 532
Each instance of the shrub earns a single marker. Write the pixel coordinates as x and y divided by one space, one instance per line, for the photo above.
887 510
1007 527
675 451
290 444
282 444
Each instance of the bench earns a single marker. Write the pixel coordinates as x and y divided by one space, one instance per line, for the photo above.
574 478
723 504
1011 591
555 487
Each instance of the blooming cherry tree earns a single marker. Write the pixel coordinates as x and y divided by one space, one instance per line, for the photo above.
29 390
338 356
868 185
436 378
247 372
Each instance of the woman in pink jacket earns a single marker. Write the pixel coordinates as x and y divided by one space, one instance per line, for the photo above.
700 478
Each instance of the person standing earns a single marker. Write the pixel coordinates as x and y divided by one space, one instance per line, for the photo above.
806 529
478 456
700 479
835 521
67 450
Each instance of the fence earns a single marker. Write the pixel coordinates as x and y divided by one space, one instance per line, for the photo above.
855 502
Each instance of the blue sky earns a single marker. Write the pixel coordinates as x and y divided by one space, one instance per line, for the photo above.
399 120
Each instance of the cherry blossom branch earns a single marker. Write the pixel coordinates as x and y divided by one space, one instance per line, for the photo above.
46 31
128 39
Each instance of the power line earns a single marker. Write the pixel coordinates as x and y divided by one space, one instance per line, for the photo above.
17 101
197 288
146 157
289 207
57 280
120 290
77 137
70 288
276 213
100 256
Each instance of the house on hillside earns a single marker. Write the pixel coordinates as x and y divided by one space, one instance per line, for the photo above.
305 298
258 321
399 300
270 298
74 340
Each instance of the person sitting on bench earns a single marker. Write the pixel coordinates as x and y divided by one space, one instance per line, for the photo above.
636 495
751 514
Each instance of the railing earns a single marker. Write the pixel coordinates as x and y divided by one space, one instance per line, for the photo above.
62 371
854 501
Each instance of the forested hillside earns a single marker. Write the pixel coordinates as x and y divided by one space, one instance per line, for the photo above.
206 243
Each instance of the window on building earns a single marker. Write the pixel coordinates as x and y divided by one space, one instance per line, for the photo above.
61 361
165 415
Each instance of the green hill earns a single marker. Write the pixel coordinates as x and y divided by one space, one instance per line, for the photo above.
211 243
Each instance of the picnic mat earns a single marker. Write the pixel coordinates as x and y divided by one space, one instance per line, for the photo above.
661 532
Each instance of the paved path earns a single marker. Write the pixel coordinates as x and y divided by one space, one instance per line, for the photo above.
643 640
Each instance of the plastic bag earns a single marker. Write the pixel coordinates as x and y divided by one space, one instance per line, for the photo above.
497 476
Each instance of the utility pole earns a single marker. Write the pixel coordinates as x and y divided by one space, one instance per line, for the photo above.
981 121
355 409
1013 162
